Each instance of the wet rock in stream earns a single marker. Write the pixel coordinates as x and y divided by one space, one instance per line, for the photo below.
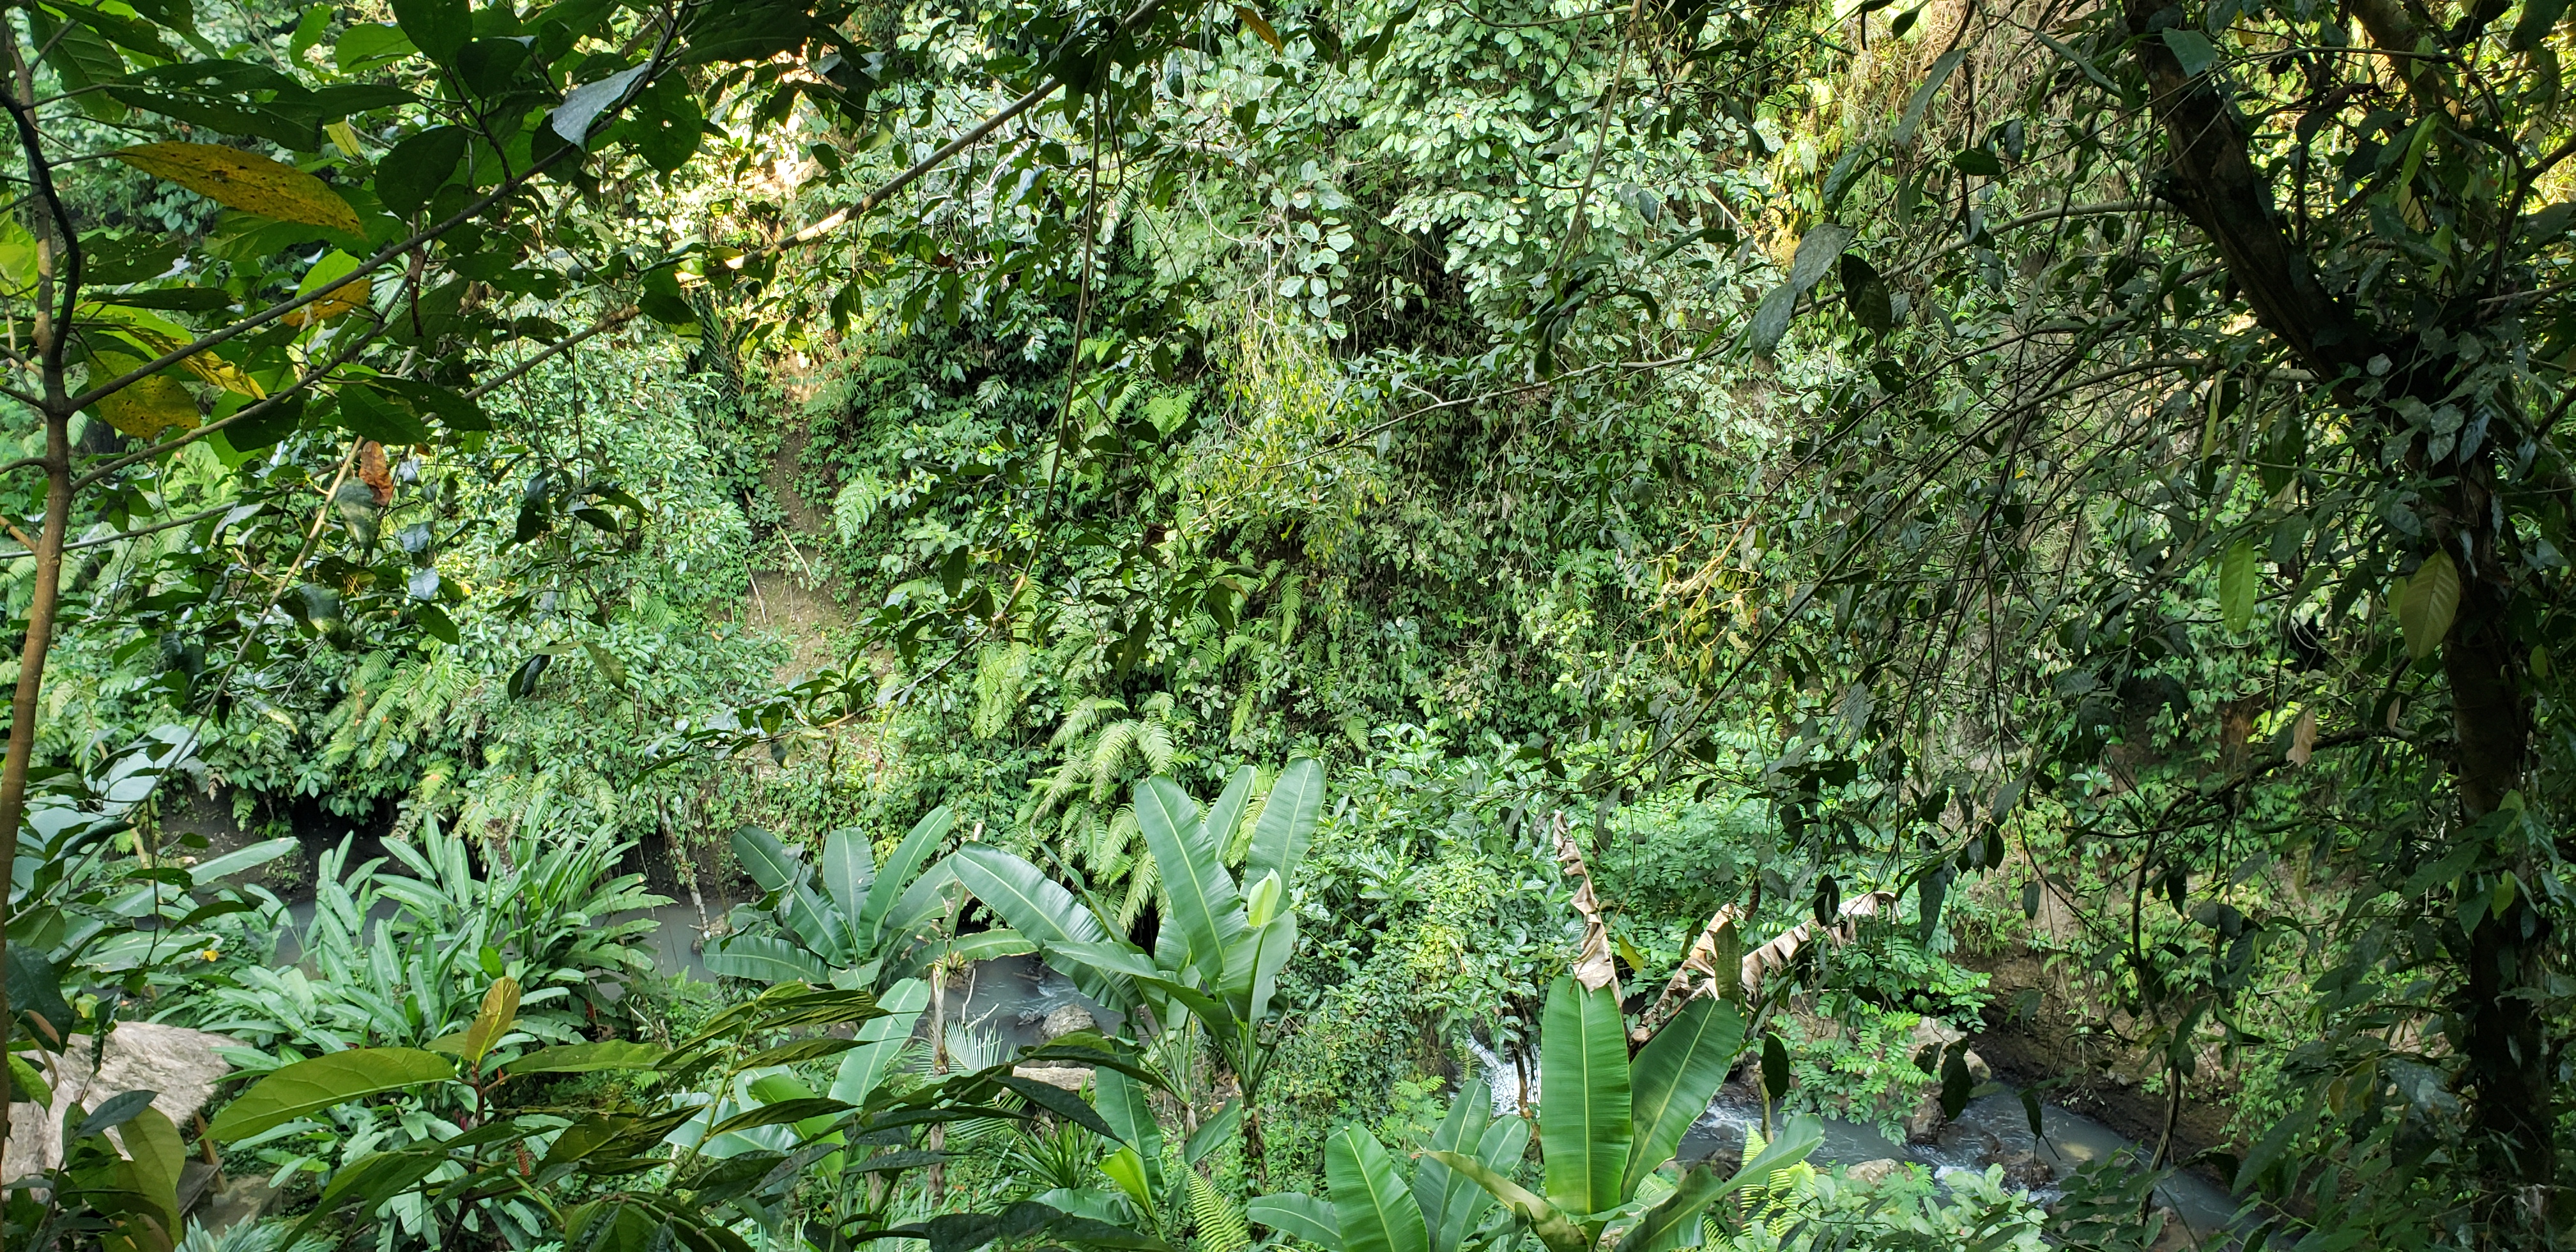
1065 1019
1872 1173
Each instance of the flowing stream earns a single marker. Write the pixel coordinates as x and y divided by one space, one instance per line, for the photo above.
1992 1129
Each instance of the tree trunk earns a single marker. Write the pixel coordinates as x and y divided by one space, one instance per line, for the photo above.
2501 1033
22 706
2211 176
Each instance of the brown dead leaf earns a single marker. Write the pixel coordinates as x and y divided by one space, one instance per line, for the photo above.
373 472
1593 968
2303 737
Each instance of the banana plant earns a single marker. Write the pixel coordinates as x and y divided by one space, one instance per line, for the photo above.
621 1177
868 925
1606 1125
1365 1204
1221 945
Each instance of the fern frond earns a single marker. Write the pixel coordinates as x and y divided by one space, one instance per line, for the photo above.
1142 885
1106 755
1221 1225
1079 719
1067 781
1154 743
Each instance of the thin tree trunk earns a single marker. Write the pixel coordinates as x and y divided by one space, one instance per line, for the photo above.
937 1140
58 276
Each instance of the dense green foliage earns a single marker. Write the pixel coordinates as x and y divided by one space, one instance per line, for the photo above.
1674 541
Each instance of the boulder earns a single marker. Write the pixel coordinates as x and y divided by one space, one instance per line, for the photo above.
2028 1172
1872 1173
178 1063
240 1200
1923 1125
1069 1077
1978 1070
2174 1236
1066 1019
1931 1032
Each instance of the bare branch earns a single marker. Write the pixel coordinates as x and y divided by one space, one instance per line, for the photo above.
139 531
610 322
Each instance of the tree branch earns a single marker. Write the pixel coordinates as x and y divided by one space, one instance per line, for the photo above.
868 203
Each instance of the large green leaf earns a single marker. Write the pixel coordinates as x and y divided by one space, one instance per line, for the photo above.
1127 1105
816 923
1583 1098
881 1042
894 877
922 909
1452 1203
764 958
583 1058
1036 906
1287 821
849 868
1551 1226
1226 812
1203 897
1664 1226
1299 1215
1441 1192
1371 1204
764 858
1673 1078
204 873
986 945
324 1082
1017 892
1253 961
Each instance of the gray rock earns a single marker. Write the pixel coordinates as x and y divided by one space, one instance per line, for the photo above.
1931 1033
1923 1125
1978 1070
1872 1173
178 1063
1068 1077
241 1200
1066 1019
2028 1172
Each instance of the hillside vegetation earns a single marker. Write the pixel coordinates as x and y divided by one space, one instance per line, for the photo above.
1387 626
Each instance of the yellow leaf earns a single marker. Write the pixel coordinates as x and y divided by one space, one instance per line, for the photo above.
346 136
148 407
162 335
500 1012
341 300
1260 27
245 181
333 266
